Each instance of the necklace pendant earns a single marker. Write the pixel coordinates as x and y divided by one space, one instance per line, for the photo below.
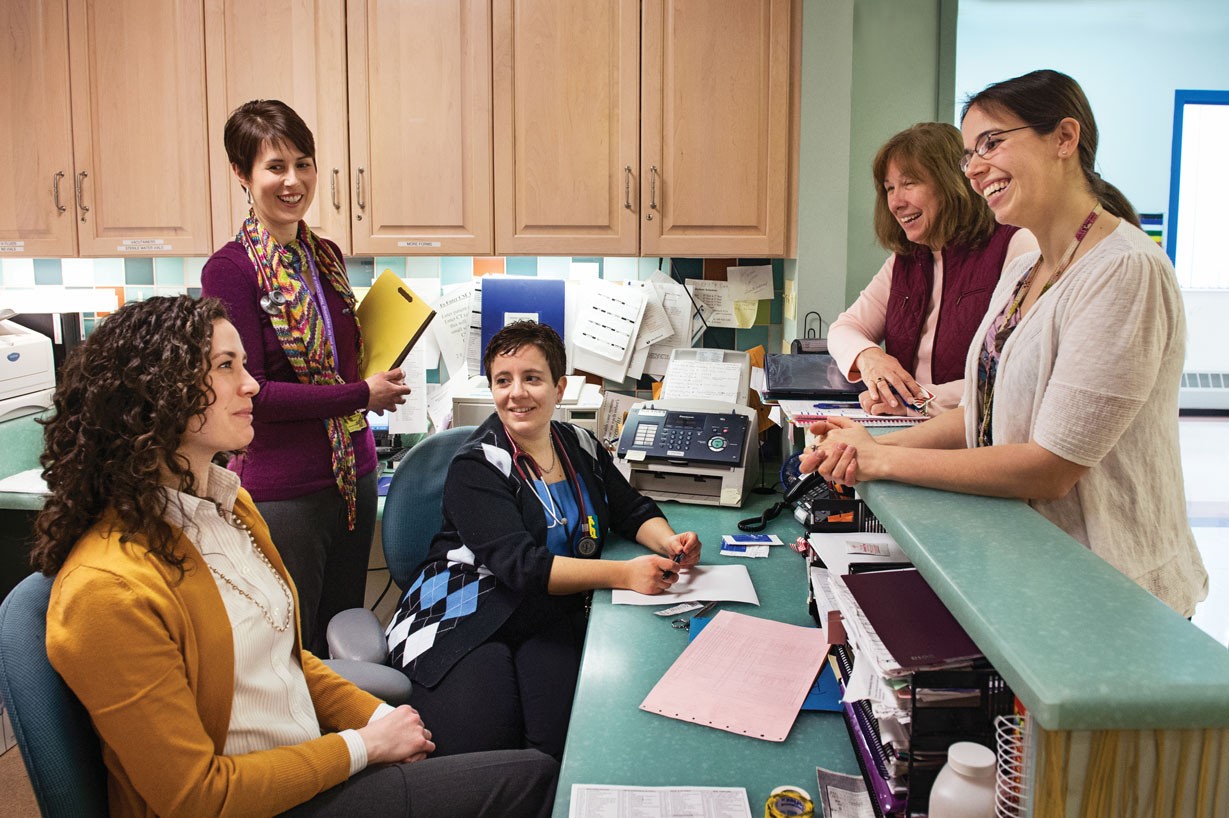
563 521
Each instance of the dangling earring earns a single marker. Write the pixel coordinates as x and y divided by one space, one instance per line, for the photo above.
249 193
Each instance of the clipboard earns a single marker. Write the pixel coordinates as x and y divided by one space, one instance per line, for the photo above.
392 318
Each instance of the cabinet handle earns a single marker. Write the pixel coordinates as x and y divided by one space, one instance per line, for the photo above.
55 190
81 201
333 189
627 186
358 189
653 187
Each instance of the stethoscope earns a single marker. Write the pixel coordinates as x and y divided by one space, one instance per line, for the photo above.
586 546
273 302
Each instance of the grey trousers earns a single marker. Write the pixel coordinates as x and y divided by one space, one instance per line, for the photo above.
497 784
327 562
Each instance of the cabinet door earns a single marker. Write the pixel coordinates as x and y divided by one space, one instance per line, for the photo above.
295 51
138 100
567 126
420 126
716 127
37 216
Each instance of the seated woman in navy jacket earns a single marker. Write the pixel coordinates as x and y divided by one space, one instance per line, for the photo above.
491 631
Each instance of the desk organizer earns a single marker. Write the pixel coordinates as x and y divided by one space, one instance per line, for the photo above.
936 725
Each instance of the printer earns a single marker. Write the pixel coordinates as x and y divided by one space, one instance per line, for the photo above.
700 442
472 403
27 371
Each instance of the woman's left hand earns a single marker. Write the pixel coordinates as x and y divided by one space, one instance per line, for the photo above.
835 454
688 544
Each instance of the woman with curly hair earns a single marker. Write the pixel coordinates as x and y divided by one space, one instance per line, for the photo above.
931 293
173 619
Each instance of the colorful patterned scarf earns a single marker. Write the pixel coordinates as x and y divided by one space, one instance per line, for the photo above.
300 326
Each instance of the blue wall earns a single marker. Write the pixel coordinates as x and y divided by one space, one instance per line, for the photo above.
1129 56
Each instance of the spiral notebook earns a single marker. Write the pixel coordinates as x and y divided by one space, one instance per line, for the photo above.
806 412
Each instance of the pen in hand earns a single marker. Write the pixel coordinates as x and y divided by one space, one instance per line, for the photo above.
676 559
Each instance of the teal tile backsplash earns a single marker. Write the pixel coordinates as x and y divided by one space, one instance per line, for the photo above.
135 279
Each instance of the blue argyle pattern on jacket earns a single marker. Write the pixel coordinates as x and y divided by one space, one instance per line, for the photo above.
440 597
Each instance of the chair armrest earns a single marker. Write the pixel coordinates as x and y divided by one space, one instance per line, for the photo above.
381 681
356 634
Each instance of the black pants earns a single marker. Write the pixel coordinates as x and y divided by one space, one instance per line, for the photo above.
508 784
327 562
513 691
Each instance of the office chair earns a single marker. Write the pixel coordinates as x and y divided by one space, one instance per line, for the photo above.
413 515
54 734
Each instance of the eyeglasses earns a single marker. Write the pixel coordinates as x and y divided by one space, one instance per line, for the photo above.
988 143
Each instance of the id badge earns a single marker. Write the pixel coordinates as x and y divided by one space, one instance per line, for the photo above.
355 423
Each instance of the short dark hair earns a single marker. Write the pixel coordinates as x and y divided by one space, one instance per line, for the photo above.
1043 99
264 121
520 333
930 152
124 401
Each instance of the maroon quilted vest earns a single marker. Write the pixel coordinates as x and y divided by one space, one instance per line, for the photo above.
969 278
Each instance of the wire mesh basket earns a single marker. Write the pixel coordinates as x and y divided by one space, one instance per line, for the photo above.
1012 787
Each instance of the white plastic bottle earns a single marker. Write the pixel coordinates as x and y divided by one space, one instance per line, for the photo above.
965 785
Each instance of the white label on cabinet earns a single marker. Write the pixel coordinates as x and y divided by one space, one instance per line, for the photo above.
143 245
418 244
12 246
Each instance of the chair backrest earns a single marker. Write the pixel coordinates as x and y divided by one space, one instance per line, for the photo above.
413 508
53 731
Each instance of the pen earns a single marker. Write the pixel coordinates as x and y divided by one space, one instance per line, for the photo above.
676 559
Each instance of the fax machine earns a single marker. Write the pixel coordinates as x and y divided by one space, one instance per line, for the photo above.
27 371
699 443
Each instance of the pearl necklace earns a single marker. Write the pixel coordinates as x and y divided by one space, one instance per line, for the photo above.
237 523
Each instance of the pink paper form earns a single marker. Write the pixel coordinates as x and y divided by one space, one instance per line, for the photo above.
742 674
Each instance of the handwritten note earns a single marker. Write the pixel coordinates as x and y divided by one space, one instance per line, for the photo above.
750 283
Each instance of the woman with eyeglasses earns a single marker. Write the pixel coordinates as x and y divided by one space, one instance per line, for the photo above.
1071 386
928 298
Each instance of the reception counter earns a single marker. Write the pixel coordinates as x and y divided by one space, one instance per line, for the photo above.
1127 701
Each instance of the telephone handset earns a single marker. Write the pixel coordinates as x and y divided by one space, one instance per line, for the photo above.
804 485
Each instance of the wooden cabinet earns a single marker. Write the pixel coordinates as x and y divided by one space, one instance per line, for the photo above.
420 126
306 69
658 128
37 215
567 126
118 165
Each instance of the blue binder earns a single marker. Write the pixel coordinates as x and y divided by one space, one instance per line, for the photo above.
505 300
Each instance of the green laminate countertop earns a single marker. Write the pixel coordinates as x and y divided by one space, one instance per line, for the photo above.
1082 646
628 649
21 443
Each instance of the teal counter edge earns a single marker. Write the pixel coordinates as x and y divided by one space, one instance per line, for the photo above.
1082 646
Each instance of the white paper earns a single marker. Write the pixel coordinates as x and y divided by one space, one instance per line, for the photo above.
843 796
704 379
655 325
25 482
750 283
439 403
450 327
716 300
610 319
473 343
677 306
614 801
411 416
707 583
610 417
839 549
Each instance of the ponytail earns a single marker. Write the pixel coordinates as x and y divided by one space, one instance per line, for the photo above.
1111 198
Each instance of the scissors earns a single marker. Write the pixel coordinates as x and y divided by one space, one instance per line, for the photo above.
682 624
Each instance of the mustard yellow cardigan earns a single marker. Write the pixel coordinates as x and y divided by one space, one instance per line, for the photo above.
152 659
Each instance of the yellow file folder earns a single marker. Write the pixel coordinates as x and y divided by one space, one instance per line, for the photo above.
393 318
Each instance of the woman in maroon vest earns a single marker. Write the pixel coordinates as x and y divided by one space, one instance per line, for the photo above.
927 300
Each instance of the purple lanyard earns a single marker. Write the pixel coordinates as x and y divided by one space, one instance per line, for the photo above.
321 304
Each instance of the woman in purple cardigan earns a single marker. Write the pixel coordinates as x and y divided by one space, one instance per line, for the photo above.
312 465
